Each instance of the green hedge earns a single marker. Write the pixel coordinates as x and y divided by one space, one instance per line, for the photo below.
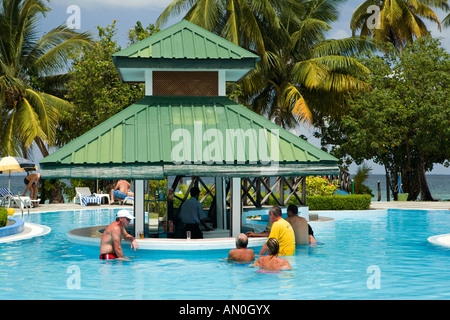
334 202
338 202
3 217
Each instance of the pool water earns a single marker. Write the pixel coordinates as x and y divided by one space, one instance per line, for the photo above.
363 255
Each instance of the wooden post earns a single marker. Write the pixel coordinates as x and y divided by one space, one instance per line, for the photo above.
303 191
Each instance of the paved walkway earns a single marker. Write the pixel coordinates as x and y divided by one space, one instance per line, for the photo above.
54 207
427 205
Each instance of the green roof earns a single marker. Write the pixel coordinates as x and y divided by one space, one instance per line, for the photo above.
210 136
185 45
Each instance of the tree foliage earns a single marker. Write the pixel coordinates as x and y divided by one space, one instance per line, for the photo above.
403 121
399 21
94 86
27 112
300 73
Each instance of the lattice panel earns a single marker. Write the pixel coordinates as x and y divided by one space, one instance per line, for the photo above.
185 83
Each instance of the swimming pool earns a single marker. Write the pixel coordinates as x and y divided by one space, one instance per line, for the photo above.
364 255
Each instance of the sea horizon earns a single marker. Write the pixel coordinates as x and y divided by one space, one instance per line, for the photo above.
439 185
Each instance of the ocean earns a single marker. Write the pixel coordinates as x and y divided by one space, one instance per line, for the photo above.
439 185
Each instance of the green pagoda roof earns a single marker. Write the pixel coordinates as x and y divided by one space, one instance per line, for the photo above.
183 46
162 136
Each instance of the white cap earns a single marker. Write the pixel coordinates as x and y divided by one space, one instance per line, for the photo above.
124 214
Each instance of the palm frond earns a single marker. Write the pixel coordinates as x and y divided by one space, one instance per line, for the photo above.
295 102
28 125
52 52
310 73
175 8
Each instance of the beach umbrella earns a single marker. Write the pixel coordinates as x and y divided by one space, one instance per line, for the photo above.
15 164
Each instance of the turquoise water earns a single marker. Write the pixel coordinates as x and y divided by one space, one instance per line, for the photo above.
392 243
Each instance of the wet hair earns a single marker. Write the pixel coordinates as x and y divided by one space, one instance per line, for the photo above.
242 241
276 211
194 192
273 246
293 208
310 231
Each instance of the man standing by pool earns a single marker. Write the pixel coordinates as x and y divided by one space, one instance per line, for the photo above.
282 231
110 246
32 182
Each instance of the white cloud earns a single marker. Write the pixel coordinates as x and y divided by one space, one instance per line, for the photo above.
339 34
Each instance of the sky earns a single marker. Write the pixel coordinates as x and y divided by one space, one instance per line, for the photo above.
95 13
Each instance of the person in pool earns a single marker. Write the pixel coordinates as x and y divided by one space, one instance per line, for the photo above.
272 261
110 245
121 190
241 254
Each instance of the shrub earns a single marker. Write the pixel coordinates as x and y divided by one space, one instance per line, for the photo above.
3 217
320 186
337 202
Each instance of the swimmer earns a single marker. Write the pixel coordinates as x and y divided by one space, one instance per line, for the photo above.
110 247
241 253
272 261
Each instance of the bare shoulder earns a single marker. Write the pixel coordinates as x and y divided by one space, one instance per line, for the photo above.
113 227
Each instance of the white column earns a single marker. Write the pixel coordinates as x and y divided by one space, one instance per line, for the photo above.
148 82
236 207
222 83
139 208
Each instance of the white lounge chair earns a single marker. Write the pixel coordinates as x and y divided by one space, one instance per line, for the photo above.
128 200
6 196
85 196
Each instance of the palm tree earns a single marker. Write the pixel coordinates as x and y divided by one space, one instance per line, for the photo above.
28 115
305 73
289 35
239 21
400 21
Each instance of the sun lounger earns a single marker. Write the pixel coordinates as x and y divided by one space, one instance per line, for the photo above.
85 196
6 196
127 200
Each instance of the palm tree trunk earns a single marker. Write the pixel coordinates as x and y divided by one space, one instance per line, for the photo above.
425 194
41 146
278 119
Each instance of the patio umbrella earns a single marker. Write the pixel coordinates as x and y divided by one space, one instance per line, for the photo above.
15 164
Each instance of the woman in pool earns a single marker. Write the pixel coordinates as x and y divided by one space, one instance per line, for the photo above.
272 261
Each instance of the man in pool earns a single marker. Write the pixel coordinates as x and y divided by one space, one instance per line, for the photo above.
299 224
110 247
241 253
282 231
121 190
